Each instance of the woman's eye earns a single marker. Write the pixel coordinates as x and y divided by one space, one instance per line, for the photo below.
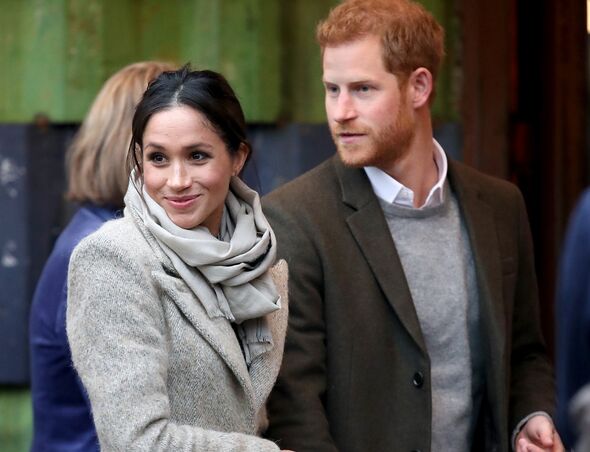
198 156
156 157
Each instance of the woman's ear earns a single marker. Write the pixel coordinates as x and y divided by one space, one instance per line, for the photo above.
138 159
421 85
240 158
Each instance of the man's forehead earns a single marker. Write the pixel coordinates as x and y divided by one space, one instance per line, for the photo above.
362 54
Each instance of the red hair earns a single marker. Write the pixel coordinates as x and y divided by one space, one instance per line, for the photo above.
410 36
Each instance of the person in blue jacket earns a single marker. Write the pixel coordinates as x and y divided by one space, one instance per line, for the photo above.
97 182
572 313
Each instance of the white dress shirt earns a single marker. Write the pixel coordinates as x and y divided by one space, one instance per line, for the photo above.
393 192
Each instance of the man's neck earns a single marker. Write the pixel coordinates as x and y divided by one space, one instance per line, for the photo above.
417 169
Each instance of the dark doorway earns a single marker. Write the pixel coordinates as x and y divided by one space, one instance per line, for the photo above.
524 113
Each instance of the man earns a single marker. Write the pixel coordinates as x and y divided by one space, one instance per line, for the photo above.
414 313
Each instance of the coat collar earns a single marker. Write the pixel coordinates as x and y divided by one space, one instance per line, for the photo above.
218 332
369 228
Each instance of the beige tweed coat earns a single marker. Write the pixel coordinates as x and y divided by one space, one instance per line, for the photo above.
160 374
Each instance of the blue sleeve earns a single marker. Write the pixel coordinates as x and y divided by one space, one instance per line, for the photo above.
61 411
572 314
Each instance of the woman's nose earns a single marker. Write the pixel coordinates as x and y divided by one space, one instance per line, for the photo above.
180 177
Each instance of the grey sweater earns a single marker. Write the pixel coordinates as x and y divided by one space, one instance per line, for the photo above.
434 249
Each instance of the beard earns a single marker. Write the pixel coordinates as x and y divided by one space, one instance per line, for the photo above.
380 147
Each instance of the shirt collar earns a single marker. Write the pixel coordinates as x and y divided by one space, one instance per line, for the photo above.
393 192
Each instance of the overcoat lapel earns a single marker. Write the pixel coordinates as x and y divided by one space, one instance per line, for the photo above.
369 228
482 230
262 373
216 331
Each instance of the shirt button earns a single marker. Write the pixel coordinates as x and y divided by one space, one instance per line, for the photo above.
418 380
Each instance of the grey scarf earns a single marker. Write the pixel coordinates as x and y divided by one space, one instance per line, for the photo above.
229 275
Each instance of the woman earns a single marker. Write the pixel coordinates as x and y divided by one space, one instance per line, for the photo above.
176 317
97 181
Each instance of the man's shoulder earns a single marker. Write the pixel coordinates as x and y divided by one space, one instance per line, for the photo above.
308 188
467 176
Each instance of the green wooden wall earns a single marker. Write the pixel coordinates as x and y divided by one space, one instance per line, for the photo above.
55 54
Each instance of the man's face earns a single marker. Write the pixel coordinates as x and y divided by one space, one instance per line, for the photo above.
368 113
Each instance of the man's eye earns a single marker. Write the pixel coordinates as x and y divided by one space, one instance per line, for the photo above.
364 89
331 89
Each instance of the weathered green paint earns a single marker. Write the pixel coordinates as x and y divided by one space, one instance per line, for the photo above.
69 47
239 39
55 54
301 63
84 53
250 55
11 57
445 104
159 31
16 420
200 32
119 37
42 75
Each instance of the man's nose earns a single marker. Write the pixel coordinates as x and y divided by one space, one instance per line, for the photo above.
344 109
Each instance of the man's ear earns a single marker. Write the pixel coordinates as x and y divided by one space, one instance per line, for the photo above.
421 86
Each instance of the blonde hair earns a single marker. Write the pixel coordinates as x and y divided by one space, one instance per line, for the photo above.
96 158
410 36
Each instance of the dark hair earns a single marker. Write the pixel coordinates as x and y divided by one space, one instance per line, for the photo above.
206 91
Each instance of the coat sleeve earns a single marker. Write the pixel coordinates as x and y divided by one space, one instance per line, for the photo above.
117 332
572 313
531 377
296 406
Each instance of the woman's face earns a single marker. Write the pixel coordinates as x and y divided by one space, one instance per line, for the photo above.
187 167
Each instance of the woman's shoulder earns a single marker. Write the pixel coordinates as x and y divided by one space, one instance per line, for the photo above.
120 237
280 275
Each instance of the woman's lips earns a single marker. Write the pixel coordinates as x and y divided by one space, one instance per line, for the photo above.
181 202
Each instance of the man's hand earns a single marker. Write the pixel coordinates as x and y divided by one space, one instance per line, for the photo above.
538 435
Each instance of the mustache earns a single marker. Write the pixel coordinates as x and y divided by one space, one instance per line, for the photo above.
337 130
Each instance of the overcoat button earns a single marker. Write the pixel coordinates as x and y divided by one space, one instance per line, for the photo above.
418 379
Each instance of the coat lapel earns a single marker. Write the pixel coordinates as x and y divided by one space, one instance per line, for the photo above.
386 265
265 368
217 331
369 228
482 230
